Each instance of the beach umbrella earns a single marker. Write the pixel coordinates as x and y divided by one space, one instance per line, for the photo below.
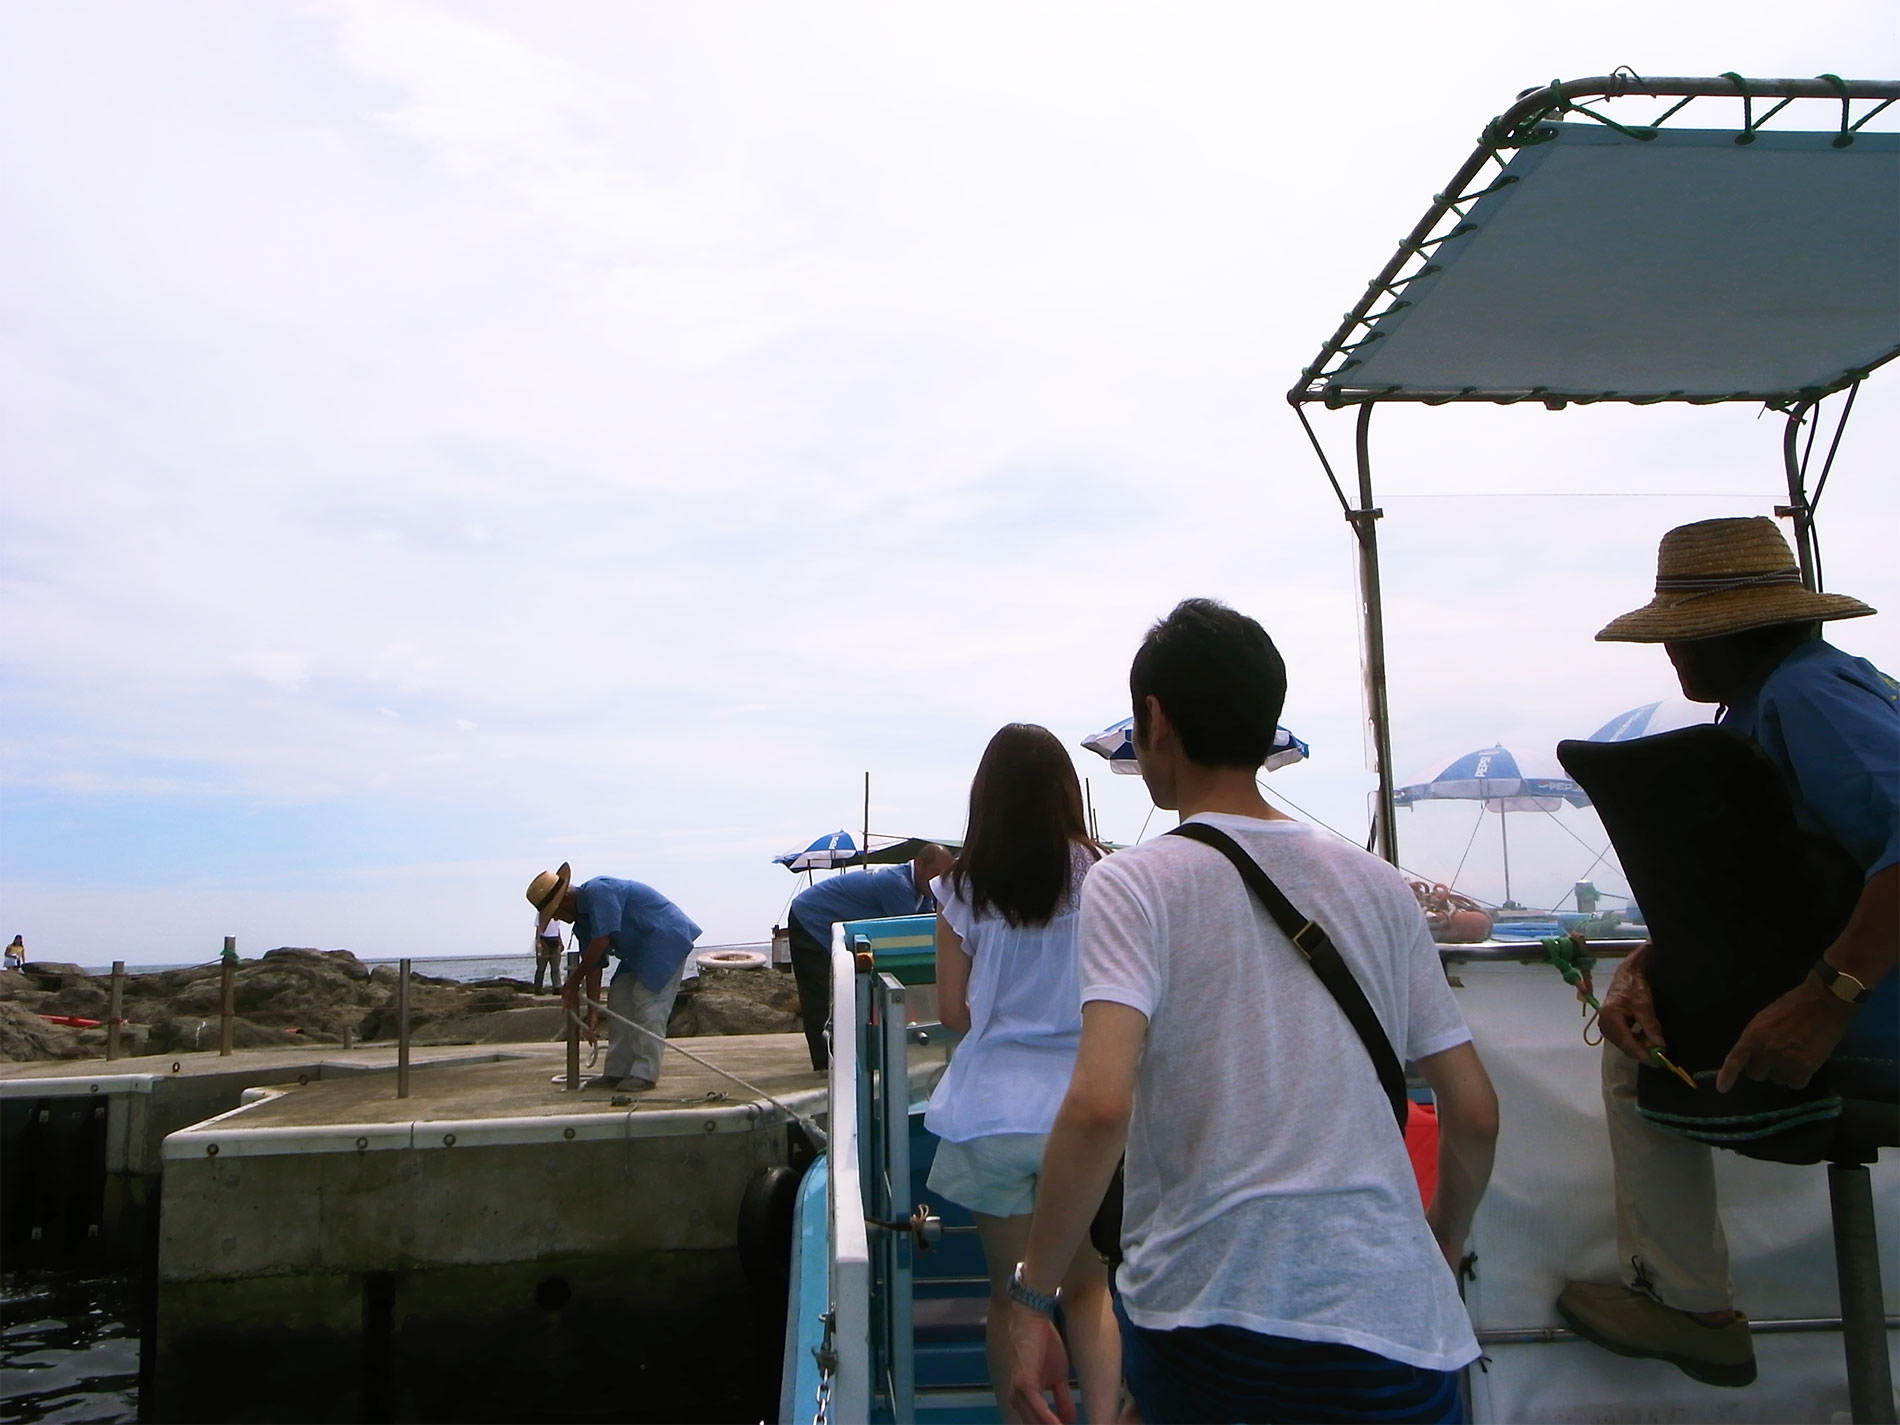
1663 715
1117 744
1492 777
823 854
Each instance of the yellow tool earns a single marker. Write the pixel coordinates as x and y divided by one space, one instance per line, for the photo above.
1663 1061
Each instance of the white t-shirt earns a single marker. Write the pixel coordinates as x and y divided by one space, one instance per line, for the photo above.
1267 1185
1011 1070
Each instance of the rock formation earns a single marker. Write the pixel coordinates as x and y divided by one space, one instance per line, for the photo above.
300 996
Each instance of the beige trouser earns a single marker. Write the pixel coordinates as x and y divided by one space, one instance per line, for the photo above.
1668 1232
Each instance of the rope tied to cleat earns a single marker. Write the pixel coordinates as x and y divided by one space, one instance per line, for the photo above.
812 1131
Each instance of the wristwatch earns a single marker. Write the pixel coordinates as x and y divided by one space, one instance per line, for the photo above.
1840 984
1043 1304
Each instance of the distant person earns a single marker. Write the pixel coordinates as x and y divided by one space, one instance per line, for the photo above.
547 956
1743 631
1278 1264
649 936
1006 980
16 953
850 895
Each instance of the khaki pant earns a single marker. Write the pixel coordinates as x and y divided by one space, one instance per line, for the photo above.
631 1054
1668 1231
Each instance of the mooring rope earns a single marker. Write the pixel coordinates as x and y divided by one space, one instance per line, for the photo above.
811 1130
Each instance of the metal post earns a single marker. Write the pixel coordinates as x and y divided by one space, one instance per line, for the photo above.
1863 1314
1798 509
1372 604
114 1007
227 1005
865 846
1504 841
574 1023
402 1029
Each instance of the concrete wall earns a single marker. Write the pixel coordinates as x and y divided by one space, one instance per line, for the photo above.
391 1273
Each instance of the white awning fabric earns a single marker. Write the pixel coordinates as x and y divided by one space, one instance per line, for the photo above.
1683 267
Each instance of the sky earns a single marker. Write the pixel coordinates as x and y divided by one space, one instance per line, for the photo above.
438 441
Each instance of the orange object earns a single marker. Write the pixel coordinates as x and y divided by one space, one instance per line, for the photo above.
72 1021
1421 1146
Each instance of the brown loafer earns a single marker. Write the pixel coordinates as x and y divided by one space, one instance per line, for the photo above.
1623 1320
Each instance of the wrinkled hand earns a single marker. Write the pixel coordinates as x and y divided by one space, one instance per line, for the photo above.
1039 1362
1788 1041
1628 1016
571 1005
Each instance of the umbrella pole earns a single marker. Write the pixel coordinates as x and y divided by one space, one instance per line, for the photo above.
865 845
1504 840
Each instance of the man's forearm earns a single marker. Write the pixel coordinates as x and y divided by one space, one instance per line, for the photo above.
1464 1170
1077 1166
1870 943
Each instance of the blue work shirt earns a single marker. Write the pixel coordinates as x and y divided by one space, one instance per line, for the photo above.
647 933
859 895
1831 723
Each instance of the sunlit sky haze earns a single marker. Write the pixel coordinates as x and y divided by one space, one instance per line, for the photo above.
440 440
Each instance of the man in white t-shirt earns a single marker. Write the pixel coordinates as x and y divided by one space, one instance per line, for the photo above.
1278 1263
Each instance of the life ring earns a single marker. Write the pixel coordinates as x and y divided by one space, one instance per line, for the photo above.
731 960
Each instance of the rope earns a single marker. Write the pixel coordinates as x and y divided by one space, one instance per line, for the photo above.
812 1131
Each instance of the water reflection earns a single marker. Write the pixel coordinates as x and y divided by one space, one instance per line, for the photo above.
69 1348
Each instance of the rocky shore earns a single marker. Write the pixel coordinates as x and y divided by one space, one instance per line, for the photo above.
298 996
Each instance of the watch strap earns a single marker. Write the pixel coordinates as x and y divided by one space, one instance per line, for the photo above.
1840 984
1042 1303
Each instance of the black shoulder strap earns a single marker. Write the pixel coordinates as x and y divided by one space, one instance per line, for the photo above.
1312 942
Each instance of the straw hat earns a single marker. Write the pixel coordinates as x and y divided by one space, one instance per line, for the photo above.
1725 576
545 892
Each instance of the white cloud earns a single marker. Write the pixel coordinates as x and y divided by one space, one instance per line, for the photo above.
612 430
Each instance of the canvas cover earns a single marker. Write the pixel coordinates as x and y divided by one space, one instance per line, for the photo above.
1686 267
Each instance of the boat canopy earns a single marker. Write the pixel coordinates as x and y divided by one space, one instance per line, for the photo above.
1653 265
1580 256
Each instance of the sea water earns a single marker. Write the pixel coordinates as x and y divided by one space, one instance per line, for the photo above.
69 1347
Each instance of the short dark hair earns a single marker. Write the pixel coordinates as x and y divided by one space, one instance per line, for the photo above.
1025 824
1219 679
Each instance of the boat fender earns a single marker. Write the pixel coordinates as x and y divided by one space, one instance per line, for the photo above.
730 960
765 1227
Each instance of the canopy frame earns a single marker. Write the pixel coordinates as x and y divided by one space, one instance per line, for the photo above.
1324 380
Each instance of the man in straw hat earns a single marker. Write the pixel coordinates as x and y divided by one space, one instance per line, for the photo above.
1742 631
649 935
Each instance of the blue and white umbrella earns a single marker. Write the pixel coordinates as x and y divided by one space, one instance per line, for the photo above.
1664 715
1117 744
1492 777
823 854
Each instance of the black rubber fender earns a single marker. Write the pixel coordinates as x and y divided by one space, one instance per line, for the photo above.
765 1226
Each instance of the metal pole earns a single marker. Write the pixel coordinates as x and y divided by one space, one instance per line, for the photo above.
1863 1314
1504 840
402 1029
865 846
114 1007
1797 509
1372 602
573 1026
227 1011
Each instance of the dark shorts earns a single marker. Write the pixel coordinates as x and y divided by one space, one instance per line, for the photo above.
1224 1373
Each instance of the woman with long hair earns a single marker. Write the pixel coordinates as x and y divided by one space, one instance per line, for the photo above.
1006 980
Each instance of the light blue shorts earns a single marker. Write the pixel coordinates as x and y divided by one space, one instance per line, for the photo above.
994 1175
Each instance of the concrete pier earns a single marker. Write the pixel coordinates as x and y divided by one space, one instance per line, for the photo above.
80 1139
492 1247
